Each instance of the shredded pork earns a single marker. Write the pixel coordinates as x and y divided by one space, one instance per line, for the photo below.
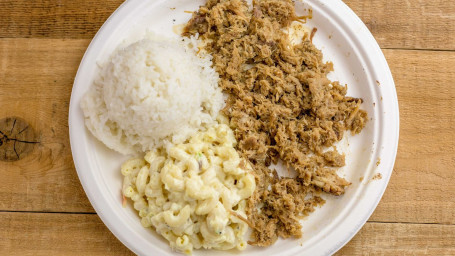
281 106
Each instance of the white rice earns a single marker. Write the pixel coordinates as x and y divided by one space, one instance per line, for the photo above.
150 93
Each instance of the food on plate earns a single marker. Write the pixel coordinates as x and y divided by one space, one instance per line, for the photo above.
281 106
194 194
204 181
152 92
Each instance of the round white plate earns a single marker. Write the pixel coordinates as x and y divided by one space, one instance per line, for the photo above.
358 62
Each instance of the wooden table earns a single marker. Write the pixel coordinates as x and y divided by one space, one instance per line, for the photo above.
44 210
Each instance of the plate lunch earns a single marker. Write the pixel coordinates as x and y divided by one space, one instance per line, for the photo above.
358 62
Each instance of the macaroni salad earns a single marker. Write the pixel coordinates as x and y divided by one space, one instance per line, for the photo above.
193 193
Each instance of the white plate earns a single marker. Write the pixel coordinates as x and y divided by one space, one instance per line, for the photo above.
358 62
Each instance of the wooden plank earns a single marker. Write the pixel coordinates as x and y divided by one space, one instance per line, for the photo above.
56 234
402 239
422 185
36 77
394 23
75 234
409 24
54 19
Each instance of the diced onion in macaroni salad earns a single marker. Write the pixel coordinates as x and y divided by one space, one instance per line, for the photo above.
192 192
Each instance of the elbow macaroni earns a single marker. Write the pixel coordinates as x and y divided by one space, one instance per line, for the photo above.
188 191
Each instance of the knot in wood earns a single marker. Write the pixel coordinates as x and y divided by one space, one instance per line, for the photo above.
17 139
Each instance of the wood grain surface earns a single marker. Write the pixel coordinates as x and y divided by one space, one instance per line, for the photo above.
44 210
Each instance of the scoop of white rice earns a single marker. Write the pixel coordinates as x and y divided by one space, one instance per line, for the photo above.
150 93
